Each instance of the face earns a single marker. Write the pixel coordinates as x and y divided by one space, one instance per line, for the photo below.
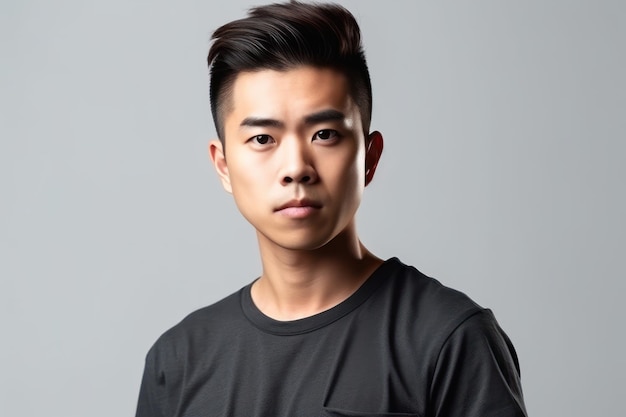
296 158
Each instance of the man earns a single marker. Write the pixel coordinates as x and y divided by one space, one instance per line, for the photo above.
328 329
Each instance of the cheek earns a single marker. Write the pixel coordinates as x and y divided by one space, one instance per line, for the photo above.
243 180
245 170
252 184
347 178
351 169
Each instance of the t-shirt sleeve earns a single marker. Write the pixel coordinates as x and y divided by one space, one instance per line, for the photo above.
151 393
477 372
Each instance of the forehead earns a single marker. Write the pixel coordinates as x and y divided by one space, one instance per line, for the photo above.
288 95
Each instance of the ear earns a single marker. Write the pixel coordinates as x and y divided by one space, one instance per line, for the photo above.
372 154
216 153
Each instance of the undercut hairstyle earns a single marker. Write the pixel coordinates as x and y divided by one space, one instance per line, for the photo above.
285 36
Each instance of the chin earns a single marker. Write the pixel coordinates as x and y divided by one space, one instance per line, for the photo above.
303 245
297 242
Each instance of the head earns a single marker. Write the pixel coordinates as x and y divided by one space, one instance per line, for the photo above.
291 100
284 36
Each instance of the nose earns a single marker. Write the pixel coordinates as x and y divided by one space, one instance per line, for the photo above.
297 164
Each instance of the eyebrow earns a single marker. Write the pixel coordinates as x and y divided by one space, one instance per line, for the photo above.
322 116
261 122
329 115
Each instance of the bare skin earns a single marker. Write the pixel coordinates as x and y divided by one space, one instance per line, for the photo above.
297 164
298 285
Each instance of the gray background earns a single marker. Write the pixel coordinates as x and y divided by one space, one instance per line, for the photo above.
502 176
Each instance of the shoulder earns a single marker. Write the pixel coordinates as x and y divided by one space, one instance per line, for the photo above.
197 330
478 361
433 306
466 352
428 316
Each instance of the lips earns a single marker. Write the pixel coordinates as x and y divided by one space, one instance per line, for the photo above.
299 203
299 208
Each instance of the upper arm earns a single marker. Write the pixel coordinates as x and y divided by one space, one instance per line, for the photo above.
477 372
151 392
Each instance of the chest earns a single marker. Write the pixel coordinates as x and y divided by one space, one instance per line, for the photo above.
356 368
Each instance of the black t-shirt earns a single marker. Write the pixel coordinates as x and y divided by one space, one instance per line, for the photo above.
401 345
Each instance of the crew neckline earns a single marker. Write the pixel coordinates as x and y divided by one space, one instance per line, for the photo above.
319 320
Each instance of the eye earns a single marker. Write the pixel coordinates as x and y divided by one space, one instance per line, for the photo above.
326 134
261 139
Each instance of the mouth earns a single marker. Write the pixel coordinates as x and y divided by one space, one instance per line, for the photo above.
298 208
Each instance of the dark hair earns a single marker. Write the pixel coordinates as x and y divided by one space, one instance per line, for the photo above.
281 37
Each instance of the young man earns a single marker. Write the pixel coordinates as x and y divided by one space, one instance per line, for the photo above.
328 329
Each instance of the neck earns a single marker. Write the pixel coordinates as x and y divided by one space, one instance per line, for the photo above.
300 283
